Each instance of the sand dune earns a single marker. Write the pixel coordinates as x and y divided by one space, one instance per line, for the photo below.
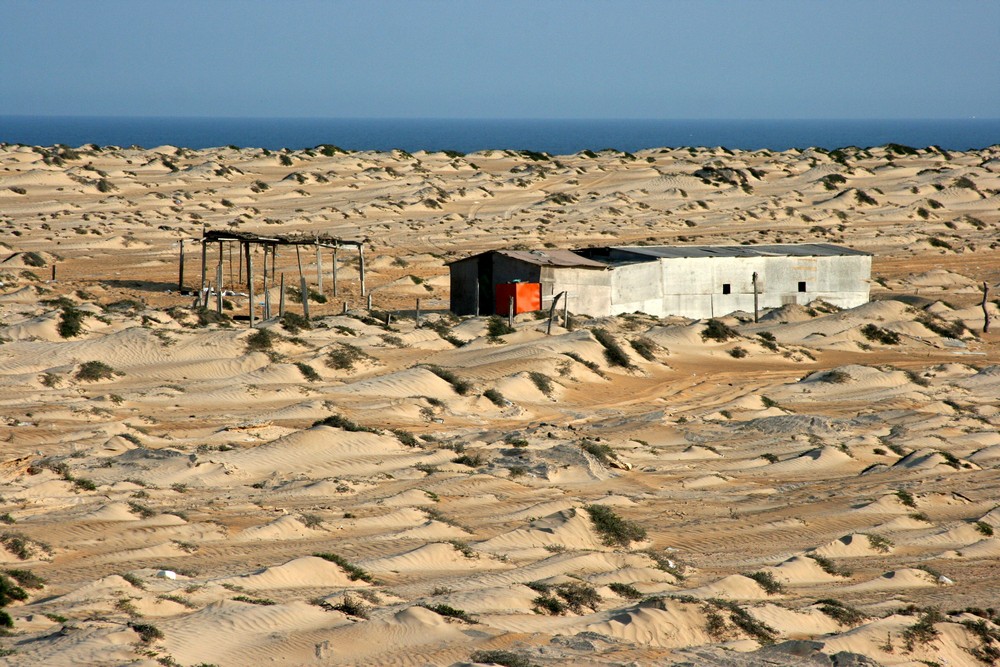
518 491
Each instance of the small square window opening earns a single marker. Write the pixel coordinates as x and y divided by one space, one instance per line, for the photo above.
802 286
727 289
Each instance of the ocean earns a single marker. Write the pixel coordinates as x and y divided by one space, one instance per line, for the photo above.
558 137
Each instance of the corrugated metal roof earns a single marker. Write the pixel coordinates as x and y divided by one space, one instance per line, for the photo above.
561 258
773 250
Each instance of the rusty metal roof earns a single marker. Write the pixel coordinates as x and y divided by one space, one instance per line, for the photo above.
557 258
770 250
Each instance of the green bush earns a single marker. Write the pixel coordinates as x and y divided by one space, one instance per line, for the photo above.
354 573
497 326
542 381
293 323
613 352
614 530
840 612
344 424
767 581
718 331
884 336
461 387
261 340
345 355
147 632
449 612
626 591
70 322
308 372
644 347
496 398
502 658
599 451
92 371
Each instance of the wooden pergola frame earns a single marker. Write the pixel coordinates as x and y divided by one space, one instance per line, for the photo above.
269 244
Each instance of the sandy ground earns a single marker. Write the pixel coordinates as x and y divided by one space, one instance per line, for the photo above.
326 494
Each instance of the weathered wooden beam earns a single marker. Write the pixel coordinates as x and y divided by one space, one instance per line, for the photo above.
986 305
218 288
202 297
180 270
253 315
361 263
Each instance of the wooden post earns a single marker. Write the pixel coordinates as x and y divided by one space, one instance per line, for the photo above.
218 288
369 302
281 298
756 307
510 312
418 313
566 312
477 297
552 313
345 307
304 289
202 297
388 318
53 273
267 290
180 270
986 303
335 248
361 264
319 268
253 320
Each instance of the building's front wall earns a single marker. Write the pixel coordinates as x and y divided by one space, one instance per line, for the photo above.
637 289
464 277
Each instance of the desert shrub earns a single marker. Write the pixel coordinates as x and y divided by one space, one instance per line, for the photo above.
589 364
502 658
345 355
614 530
840 612
472 460
549 604
449 612
718 331
496 398
461 387
644 347
265 602
142 510
92 371
829 566
767 581
578 595
542 381
70 322
147 632
10 592
293 323
25 578
738 352
308 372
835 376
879 543
863 197
261 340
984 528
352 607
935 242
742 619
964 182
626 591
344 424
354 573
769 402
599 451
496 326
405 437
884 336
923 631
768 340
906 498
613 352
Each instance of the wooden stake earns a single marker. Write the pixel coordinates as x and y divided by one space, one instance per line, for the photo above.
281 298
418 313
566 312
510 312
202 297
304 289
756 308
361 263
335 248
986 312
253 320
369 302
53 273
477 297
218 288
319 268
267 291
180 270
552 313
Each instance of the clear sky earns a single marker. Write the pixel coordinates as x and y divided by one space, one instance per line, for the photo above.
511 59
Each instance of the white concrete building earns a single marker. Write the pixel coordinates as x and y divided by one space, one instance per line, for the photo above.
690 281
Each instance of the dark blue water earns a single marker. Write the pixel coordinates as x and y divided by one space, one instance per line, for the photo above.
552 136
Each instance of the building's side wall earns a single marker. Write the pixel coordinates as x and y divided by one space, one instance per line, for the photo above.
637 287
694 286
589 289
464 274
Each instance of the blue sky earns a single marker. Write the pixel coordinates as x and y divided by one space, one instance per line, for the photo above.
514 59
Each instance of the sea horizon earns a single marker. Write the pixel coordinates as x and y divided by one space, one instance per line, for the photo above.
551 135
